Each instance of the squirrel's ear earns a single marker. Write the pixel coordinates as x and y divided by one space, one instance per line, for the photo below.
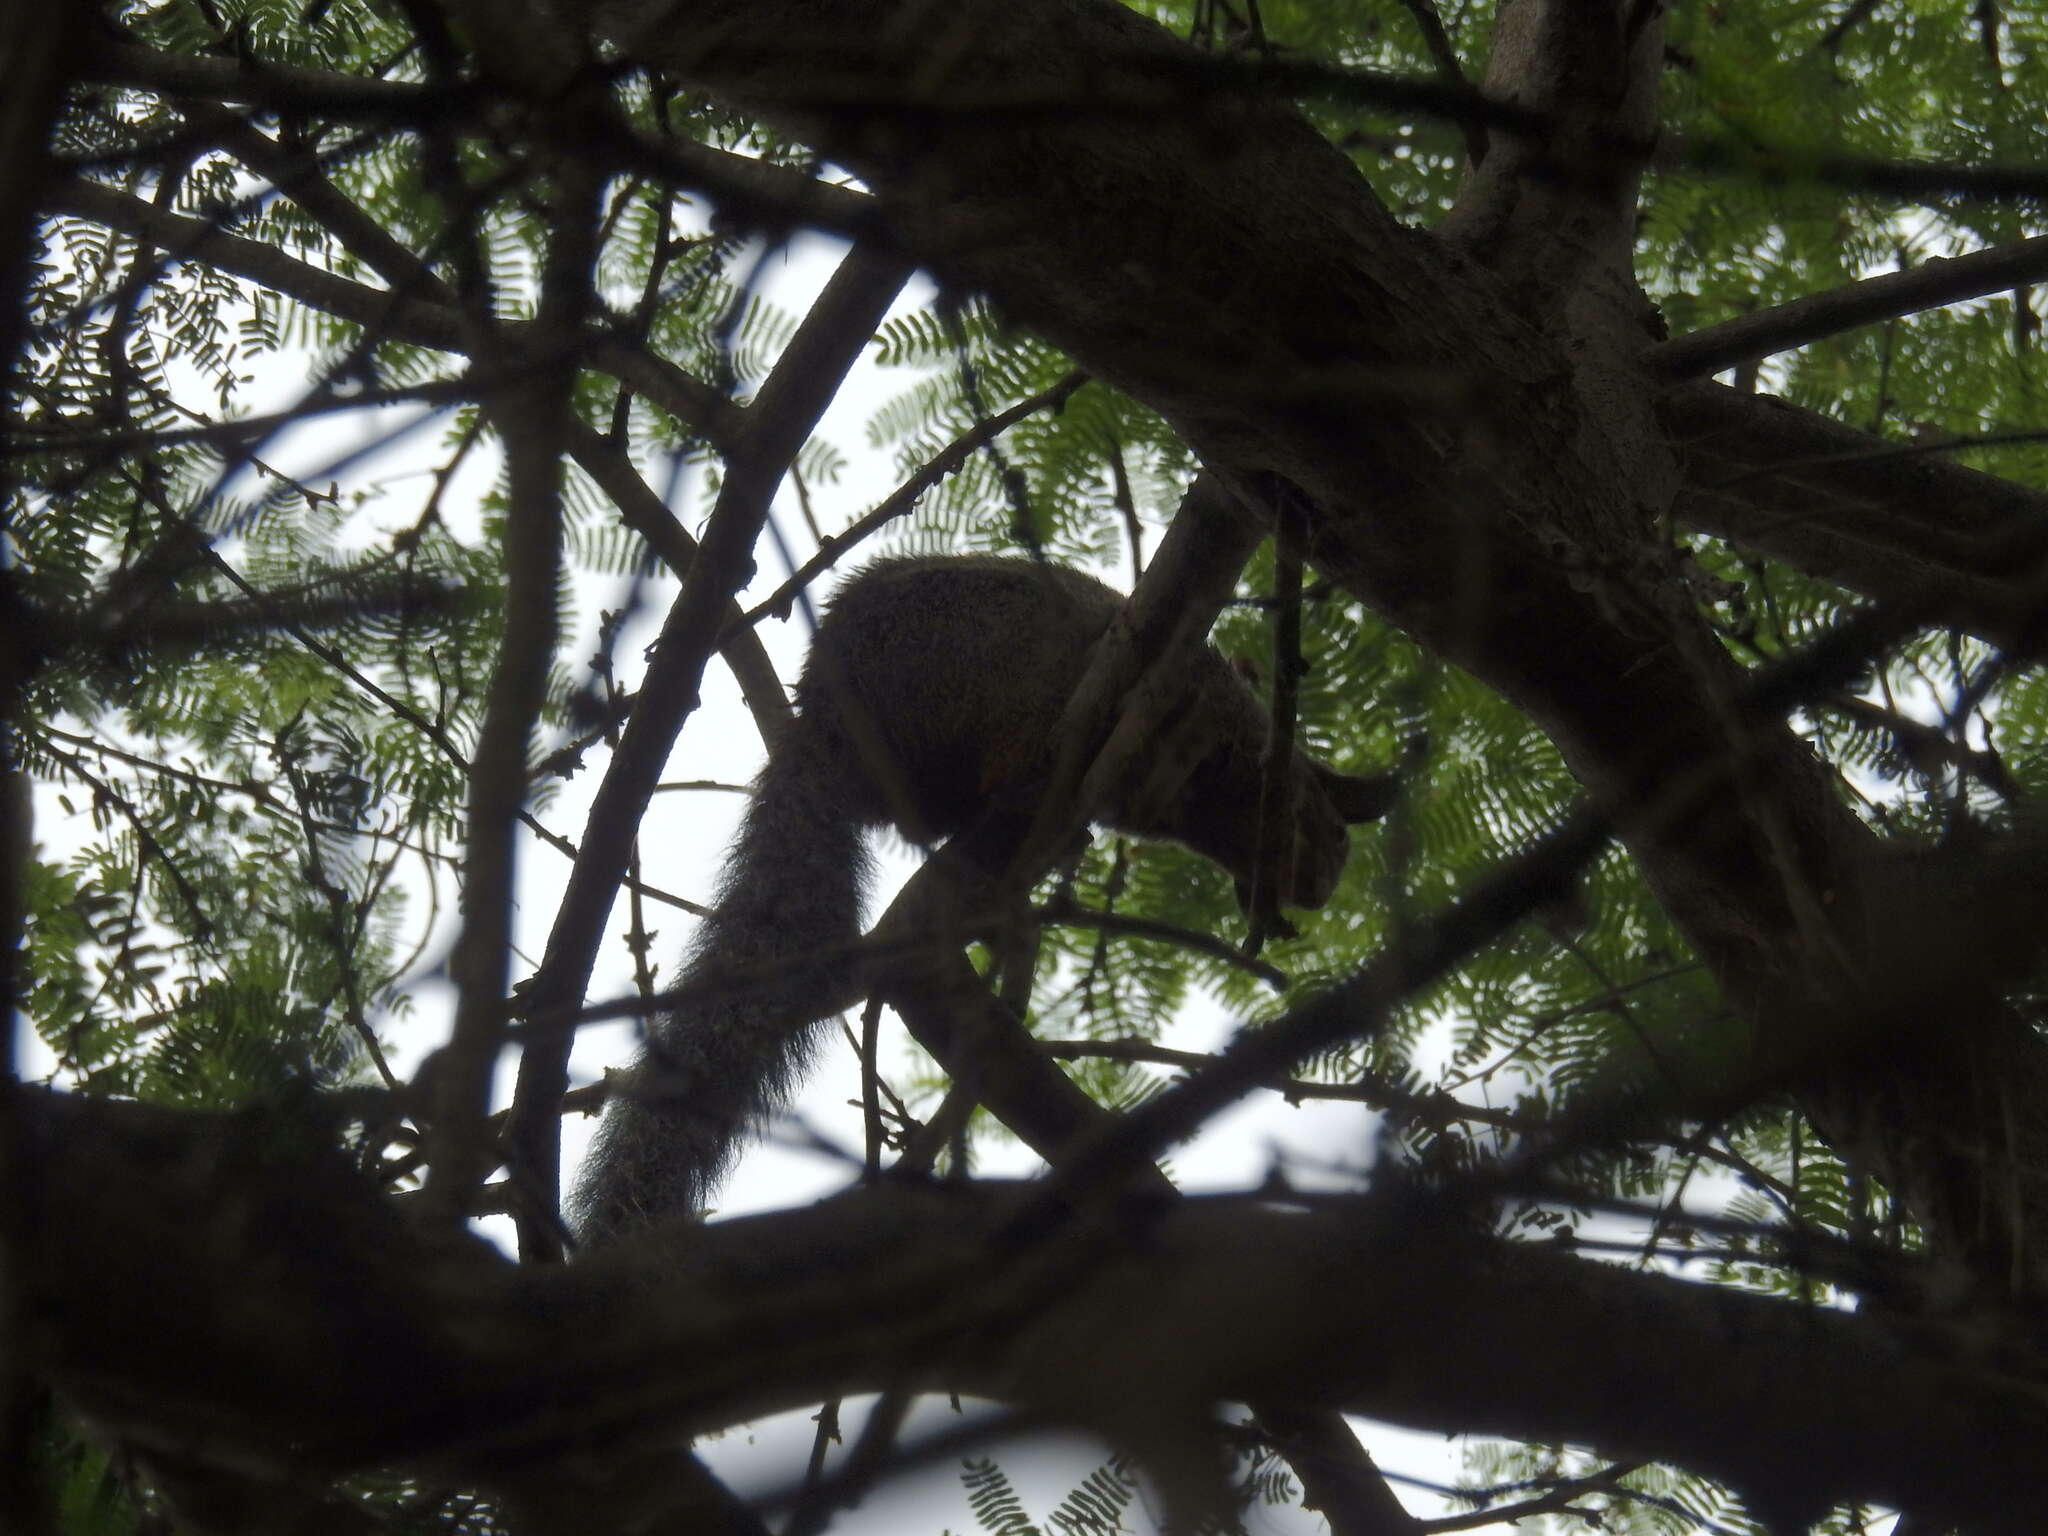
1358 797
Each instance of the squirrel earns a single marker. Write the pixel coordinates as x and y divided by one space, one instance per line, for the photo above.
933 686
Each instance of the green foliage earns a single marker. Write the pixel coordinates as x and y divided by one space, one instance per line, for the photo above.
1641 1501
1099 1504
995 1503
85 1492
1057 476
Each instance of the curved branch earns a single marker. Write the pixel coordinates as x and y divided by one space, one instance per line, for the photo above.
1435 1108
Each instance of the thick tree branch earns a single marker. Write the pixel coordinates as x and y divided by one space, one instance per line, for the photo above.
1924 534
449 1361
1591 73
1931 285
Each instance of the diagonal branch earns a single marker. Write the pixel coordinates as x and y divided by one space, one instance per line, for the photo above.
300 175
795 395
1964 548
612 468
1931 285
1437 42
948 460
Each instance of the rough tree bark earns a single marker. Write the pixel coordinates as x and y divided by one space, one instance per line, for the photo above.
271 1314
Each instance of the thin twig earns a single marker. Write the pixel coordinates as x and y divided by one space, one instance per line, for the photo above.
899 501
1064 911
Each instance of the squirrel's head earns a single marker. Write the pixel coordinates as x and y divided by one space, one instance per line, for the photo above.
1215 809
1326 802
1204 783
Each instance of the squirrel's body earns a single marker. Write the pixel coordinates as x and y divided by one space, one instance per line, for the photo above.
932 685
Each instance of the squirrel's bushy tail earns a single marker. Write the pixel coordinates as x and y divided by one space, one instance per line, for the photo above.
783 931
